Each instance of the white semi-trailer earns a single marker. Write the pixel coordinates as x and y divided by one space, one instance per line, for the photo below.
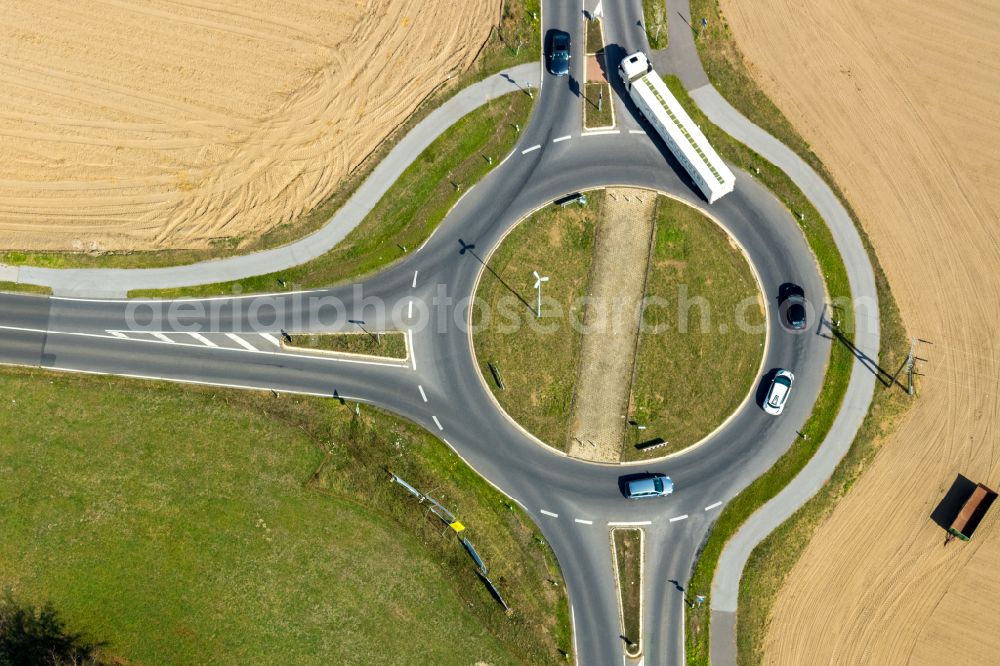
656 103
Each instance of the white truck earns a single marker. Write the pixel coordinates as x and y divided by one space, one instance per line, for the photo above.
658 106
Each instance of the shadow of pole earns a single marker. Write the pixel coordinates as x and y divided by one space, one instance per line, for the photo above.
887 379
471 249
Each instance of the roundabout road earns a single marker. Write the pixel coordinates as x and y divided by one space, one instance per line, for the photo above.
233 342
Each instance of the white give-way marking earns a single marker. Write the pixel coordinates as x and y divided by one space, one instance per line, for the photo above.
241 342
601 132
636 523
203 340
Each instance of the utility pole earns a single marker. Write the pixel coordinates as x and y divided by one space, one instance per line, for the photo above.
600 98
538 285
910 362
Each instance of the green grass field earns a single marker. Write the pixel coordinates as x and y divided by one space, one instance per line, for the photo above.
408 212
655 22
595 38
537 357
194 525
678 392
539 362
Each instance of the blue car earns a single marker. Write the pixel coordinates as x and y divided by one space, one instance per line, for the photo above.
558 53
649 485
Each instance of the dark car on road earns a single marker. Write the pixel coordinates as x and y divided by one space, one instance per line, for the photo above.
558 52
649 485
795 311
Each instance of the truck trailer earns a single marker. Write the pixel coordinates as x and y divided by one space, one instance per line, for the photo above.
687 143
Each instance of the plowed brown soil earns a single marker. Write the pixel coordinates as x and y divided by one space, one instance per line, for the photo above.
901 99
158 124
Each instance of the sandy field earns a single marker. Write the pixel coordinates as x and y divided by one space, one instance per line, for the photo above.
154 124
901 99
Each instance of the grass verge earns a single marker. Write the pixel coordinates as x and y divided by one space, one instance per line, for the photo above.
391 344
515 40
196 525
25 288
537 357
597 105
693 260
655 22
408 212
595 38
628 565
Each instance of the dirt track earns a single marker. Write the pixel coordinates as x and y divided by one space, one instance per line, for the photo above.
901 99
159 124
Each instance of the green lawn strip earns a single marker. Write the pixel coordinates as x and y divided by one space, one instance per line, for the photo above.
655 22
595 38
408 212
628 558
391 344
25 288
537 358
597 109
192 525
693 261
499 52
772 560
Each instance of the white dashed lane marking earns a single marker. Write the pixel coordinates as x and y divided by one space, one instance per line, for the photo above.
713 506
563 138
422 394
437 423
414 285
676 518
637 131
409 309
549 513
528 150
203 340
241 342
583 522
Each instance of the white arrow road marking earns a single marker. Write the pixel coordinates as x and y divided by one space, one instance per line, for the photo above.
549 513
270 338
528 150
713 506
241 342
203 340
583 522
676 518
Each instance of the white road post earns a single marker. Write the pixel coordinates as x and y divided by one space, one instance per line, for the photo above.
538 285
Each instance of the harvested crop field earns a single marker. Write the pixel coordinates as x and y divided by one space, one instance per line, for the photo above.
164 125
901 100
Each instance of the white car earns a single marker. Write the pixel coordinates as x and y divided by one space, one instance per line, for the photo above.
777 395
